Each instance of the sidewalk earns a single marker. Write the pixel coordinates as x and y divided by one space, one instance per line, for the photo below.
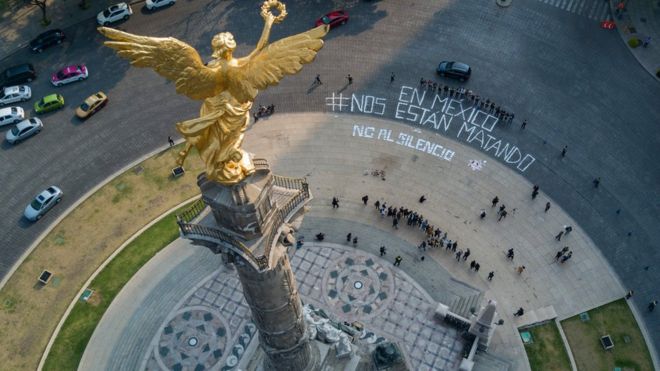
640 19
19 26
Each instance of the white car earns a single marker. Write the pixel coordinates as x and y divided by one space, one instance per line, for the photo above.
11 115
24 129
13 94
154 4
42 203
114 13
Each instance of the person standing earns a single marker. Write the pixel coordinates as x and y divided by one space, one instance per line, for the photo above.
491 275
558 236
318 80
392 78
348 237
355 240
566 257
335 203
558 255
502 215
652 305
563 151
483 214
473 264
547 206
377 204
519 312
397 260
422 199
458 255
476 267
629 294
365 199
466 254
596 182
382 250
495 201
522 126
395 223
350 79
170 141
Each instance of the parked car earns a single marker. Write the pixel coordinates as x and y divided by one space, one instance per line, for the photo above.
69 74
23 130
333 19
114 13
456 70
49 103
91 105
43 202
47 39
11 115
154 4
15 94
19 74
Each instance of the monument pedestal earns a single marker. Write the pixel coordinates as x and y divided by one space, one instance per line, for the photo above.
249 219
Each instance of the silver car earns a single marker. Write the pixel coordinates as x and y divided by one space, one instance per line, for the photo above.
23 130
42 203
13 94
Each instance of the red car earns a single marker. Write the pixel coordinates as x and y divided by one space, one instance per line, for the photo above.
334 19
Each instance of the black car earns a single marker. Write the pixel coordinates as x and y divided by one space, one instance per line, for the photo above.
456 70
46 39
19 74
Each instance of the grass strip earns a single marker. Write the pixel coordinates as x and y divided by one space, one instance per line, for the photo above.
630 351
79 326
547 351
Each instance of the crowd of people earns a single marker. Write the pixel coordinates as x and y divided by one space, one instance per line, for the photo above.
484 104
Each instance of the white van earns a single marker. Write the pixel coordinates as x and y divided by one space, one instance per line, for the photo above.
11 115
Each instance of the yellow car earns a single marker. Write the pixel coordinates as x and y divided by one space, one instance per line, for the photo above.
91 105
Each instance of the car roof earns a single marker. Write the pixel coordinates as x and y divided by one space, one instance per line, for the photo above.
118 6
24 124
70 69
50 32
460 66
51 97
9 110
12 89
13 70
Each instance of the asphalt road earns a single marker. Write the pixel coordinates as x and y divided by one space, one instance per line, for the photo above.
576 84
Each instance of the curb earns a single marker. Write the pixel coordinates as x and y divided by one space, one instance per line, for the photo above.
80 200
624 38
135 235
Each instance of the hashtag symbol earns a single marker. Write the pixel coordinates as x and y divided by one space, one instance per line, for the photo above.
336 102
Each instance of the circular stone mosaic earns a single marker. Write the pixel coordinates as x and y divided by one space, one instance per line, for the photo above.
358 286
194 339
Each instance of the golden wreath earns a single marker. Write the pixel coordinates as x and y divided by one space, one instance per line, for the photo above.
270 4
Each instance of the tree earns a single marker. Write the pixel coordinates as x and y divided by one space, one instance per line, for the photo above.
42 5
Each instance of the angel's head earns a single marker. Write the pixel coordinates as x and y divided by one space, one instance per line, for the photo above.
223 45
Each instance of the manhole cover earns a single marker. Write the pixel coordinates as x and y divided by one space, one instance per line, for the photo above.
358 285
192 341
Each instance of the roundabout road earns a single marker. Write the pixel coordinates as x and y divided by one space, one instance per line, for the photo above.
575 83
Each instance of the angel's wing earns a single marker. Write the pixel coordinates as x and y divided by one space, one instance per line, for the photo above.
268 66
170 58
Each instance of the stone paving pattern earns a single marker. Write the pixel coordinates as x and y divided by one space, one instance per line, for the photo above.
216 312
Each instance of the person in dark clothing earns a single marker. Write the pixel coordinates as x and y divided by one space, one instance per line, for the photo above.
519 312
495 201
365 199
382 251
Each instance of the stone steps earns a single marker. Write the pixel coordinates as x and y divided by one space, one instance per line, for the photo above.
488 362
461 305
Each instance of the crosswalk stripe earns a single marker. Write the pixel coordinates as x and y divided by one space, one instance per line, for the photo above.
570 4
592 9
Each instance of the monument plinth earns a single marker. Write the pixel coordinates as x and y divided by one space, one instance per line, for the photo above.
246 222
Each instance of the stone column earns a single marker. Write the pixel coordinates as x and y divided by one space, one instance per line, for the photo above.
277 311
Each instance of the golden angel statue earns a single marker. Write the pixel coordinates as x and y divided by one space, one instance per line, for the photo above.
227 85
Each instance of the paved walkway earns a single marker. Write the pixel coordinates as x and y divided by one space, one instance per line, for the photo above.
327 150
